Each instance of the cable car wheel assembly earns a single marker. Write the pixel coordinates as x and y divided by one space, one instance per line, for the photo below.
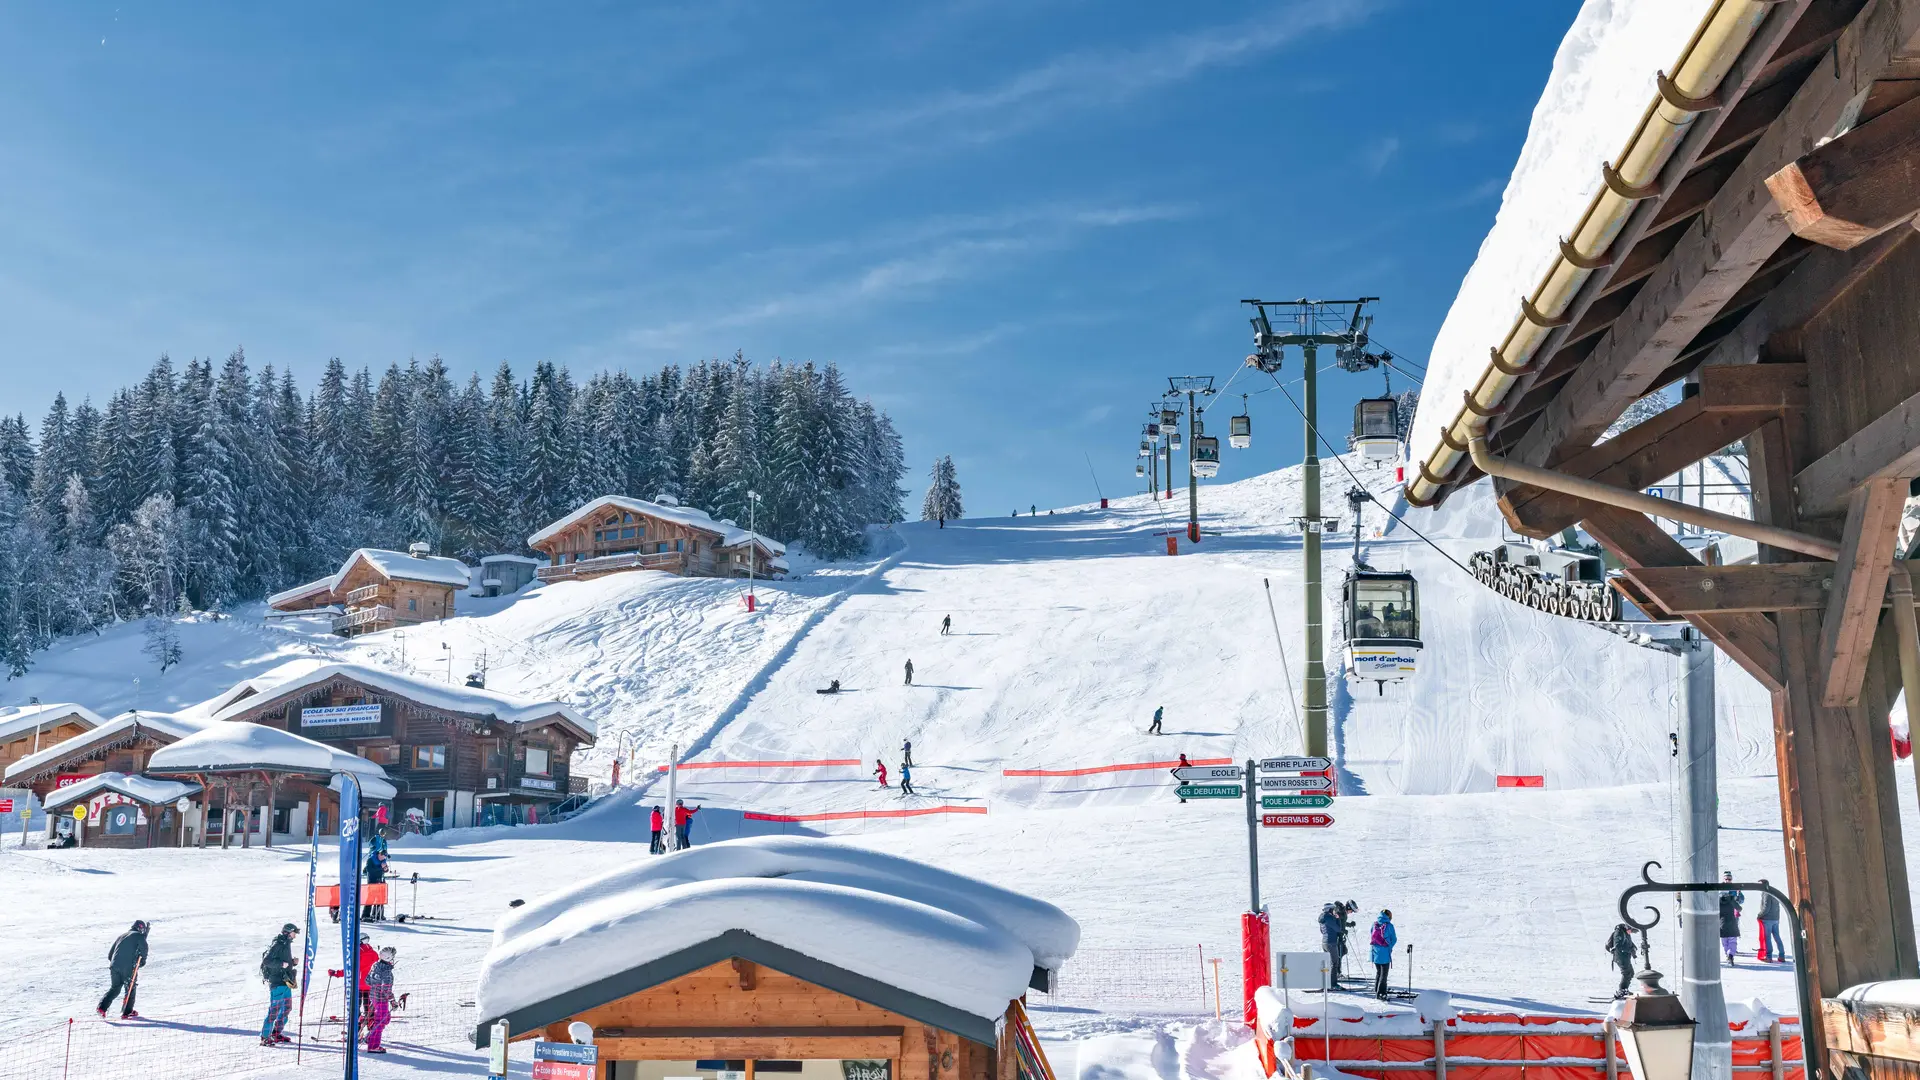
1559 581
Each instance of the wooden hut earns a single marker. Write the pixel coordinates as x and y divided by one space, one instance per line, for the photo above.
780 954
1873 1031
614 533
27 729
123 811
375 589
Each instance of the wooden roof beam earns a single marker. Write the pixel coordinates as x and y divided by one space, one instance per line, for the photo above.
1723 248
1859 588
1856 187
1886 449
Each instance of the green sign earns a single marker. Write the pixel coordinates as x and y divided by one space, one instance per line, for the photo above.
1208 791
1295 802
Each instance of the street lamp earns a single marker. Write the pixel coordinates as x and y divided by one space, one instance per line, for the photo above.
1655 1030
448 649
753 539
36 723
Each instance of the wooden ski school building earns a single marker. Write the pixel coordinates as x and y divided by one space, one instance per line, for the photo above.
456 756
1753 244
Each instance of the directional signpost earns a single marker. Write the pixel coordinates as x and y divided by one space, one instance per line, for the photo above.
1297 783
1296 821
1295 764
1208 791
1295 802
1189 773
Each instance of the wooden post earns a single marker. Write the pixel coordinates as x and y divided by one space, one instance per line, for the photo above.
1773 1045
1440 1048
1613 1063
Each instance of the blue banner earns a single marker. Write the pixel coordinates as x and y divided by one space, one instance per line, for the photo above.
350 914
313 928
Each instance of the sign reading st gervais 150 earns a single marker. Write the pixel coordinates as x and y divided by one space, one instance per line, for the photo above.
340 715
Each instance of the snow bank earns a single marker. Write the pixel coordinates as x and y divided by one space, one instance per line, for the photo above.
1602 79
226 746
941 935
145 789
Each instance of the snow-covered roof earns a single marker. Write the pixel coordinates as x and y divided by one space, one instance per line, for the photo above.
461 699
730 535
930 933
236 746
485 559
144 789
301 592
1602 81
371 787
174 725
22 719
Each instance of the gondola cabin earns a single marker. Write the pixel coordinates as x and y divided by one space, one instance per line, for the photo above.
1383 625
1145 449
1169 420
1139 469
1174 441
1240 431
1206 456
1376 428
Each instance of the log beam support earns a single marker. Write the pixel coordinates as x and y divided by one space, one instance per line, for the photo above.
1852 189
1887 448
1859 588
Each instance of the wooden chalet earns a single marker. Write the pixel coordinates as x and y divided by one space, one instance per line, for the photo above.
123 811
26 729
461 756
375 589
615 533
120 745
1756 247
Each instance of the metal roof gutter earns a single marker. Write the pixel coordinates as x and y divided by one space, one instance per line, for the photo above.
1690 91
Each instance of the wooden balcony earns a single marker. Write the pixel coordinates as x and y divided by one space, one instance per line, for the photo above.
670 561
364 594
365 618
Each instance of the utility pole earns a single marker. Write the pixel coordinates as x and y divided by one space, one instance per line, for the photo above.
1314 323
1700 989
1150 434
1195 387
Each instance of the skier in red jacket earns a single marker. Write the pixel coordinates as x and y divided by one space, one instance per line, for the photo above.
658 823
683 823
880 770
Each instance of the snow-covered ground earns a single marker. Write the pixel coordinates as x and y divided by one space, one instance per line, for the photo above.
1068 630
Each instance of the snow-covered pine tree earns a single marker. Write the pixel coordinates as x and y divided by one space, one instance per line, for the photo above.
54 460
942 501
155 412
737 456
547 482
16 453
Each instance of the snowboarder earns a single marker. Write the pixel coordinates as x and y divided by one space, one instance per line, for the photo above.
906 780
1159 713
380 995
279 970
125 957
657 821
880 770
1383 941
1620 944
909 672
683 823
1730 925
946 626
906 752
1772 949
832 688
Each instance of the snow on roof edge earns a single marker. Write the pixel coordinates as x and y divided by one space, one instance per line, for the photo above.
172 724
447 696
143 788
21 718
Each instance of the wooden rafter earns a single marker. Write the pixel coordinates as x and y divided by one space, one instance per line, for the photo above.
1847 191
1708 590
1722 249
1859 588
1886 449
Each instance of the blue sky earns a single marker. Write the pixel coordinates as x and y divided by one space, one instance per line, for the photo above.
1008 220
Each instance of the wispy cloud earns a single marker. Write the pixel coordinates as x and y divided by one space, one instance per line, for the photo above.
1073 82
1379 153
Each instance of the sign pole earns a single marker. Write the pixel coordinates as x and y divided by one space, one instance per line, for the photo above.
1253 842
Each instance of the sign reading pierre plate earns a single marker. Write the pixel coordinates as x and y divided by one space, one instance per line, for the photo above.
340 715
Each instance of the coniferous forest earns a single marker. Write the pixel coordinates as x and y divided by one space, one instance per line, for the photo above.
214 484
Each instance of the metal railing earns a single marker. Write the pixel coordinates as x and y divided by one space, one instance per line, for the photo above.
352 619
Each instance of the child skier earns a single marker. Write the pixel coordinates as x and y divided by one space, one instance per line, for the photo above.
880 770
380 996
906 780
1729 926
1620 944
280 972
906 752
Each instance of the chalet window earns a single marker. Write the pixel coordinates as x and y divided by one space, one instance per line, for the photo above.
413 604
536 761
429 757
626 519
496 757
676 545
380 755
626 534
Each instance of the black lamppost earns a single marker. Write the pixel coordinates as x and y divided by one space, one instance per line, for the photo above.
1651 1002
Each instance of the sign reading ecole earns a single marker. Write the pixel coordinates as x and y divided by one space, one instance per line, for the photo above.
339 715
1207 772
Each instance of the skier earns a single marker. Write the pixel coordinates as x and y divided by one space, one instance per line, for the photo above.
1159 712
906 752
1730 925
380 995
906 780
1620 944
376 873
1175 772
1772 949
1384 939
278 968
880 770
909 672
946 626
1033 510
368 957
657 821
683 822
125 957
1331 932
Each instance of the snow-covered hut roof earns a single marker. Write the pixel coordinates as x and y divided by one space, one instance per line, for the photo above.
486 559
940 947
461 699
371 787
400 566
301 592
172 725
237 746
142 789
22 719
730 535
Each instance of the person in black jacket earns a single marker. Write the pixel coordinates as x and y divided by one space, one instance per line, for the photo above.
125 958
1730 924
376 872
1623 950
277 967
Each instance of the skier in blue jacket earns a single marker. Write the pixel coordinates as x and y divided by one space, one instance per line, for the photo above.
1384 939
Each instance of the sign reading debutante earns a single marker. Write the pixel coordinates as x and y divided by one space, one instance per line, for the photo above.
1296 764
867 1070
1207 772
340 715
1297 783
1208 791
